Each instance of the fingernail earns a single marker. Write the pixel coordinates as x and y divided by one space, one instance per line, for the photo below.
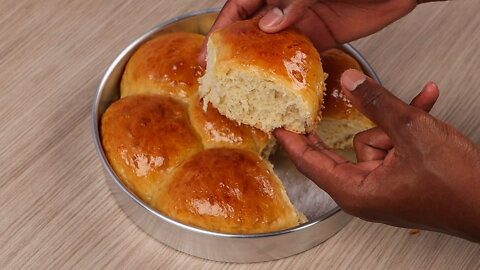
352 78
272 18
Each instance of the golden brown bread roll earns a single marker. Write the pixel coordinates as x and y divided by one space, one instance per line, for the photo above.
228 190
217 130
167 64
264 80
340 120
144 138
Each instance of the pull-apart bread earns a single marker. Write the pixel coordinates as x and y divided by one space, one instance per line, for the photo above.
195 166
206 165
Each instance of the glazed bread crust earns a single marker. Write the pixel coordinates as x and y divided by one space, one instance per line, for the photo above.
340 120
217 130
228 190
166 65
144 138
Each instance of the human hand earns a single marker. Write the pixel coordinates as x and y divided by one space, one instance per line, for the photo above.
327 23
413 171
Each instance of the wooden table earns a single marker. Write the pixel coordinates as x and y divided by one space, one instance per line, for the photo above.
55 207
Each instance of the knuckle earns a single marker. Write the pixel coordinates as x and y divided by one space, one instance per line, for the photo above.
358 141
372 97
240 9
413 122
360 137
419 123
410 120
318 145
440 134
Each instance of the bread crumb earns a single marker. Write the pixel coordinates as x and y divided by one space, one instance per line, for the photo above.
414 231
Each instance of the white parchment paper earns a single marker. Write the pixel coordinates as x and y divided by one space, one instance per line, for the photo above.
305 195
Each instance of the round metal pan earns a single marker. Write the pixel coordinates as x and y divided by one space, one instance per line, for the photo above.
195 241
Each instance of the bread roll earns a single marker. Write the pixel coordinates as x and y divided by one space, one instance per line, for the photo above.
228 190
340 120
217 130
264 80
165 65
144 138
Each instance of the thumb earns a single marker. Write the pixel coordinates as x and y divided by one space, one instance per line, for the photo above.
282 16
378 104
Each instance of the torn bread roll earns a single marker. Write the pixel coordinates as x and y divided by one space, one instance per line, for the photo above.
264 80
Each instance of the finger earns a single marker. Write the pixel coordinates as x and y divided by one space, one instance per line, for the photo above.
315 142
303 156
283 15
336 178
372 144
378 104
427 98
232 11
262 11
299 148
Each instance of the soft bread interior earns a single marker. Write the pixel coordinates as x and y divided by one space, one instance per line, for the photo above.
269 149
339 133
250 97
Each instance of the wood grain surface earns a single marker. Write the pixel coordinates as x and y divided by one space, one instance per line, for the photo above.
56 210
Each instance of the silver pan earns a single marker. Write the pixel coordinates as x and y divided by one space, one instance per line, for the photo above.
196 241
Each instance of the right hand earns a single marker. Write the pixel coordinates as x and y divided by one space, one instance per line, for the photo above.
413 171
327 23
